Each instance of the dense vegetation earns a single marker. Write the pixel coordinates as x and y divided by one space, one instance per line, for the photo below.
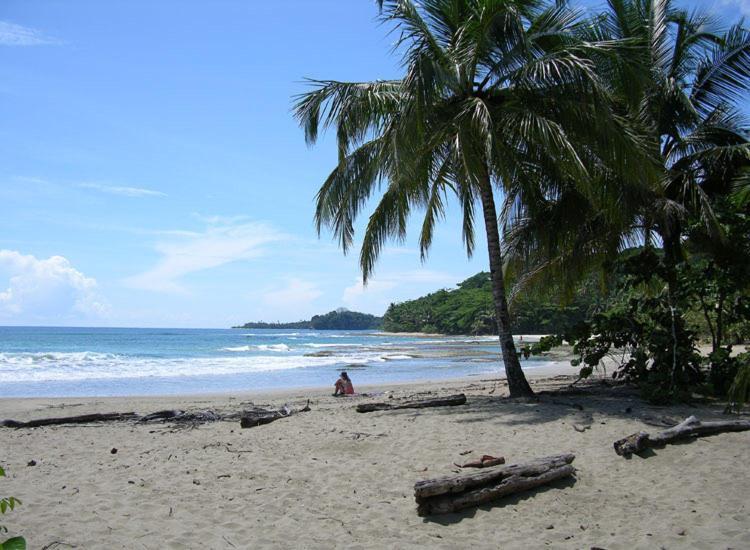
689 273
340 319
469 309
619 145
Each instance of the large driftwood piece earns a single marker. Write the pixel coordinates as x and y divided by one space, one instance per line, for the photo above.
164 416
451 494
258 417
81 419
690 427
450 401
181 416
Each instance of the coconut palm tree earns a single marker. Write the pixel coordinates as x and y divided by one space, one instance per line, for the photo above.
494 91
679 79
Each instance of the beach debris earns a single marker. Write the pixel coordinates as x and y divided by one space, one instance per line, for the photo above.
182 416
484 462
467 452
170 416
81 419
453 493
258 417
113 451
449 401
58 544
31 463
581 427
161 415
688 428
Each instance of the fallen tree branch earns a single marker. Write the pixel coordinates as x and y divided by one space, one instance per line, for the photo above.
168 415
451 494
181 416
248 419
690 427
450 401
258 417
81 419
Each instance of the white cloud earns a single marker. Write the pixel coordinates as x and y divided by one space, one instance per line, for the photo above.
122 191
220 220
386 288
46 290
193 252
18 35
294 298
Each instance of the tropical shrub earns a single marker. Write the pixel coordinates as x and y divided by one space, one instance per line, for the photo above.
7 504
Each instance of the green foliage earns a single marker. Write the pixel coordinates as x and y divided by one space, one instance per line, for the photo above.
724 369
470 309
15 543
642 324
719 274
682 81
340 319
7 504
343 319
679 78
739 391
645 328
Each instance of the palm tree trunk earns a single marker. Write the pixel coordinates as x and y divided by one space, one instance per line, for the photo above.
517 383
672 255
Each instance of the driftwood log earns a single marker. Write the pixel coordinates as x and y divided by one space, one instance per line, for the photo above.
258 417
451 494
688 428
81 419
450 401
182 416
164 416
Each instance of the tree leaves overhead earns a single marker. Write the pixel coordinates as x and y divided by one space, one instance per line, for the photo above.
478 94
675 80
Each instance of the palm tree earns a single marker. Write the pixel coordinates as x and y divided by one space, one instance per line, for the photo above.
679 79
494 91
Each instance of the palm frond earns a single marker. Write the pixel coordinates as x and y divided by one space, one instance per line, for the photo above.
724 75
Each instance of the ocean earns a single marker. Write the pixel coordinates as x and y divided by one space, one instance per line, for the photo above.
56 361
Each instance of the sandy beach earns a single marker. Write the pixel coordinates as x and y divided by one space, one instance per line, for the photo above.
334 478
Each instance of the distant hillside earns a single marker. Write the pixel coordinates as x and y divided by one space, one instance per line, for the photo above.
340 319
469 309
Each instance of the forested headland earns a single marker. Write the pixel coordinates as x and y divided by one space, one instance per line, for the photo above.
339 319
469 309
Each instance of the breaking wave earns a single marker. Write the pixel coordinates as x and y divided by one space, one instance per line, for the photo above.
36 367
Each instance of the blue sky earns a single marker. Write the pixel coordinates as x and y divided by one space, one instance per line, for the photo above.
151 173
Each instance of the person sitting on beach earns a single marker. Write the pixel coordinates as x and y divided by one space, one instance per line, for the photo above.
343 385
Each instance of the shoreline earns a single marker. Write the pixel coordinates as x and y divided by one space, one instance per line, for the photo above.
152 363
554 367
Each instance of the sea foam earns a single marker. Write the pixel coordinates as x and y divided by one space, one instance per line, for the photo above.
30 367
